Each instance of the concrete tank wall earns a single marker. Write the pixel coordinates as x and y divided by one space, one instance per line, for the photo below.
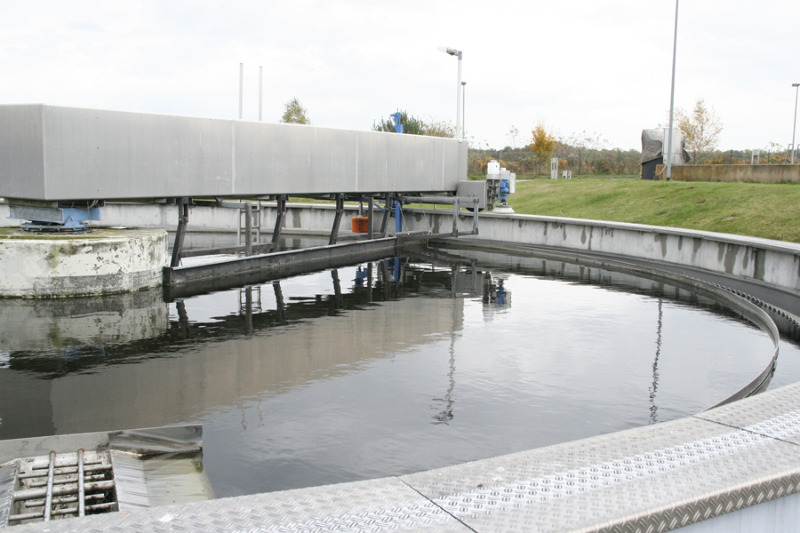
773 262
106 261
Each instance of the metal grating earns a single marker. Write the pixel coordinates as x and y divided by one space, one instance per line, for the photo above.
62 485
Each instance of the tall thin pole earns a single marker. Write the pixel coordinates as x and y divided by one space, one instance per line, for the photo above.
241 88
794 123
463 107
260 90
672 95
459 106
459 131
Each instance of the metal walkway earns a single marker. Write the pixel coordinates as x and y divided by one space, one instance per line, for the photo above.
652 478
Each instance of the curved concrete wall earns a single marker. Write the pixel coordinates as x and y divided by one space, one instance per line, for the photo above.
773 262
106 261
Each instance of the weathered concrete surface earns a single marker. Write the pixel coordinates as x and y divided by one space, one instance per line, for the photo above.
61 325
774 262
747 173
104 261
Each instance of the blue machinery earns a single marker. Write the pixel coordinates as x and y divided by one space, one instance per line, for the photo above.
396 117
56 218
504 190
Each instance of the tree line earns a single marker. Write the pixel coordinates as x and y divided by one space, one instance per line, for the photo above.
582 153
578 159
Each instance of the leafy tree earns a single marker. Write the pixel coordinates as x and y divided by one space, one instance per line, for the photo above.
294 113
411 124
543 144
416 126
580 145
439 129
701 129
513 133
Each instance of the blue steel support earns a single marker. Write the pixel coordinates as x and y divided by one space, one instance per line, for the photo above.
398 216
370 210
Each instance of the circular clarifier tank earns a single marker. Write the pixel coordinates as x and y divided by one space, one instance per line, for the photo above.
98 261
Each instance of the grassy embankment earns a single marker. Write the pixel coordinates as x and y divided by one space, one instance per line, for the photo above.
771 211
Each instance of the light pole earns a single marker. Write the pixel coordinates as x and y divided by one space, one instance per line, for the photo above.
463 108
458 54
672 96
260 90
241 88
794 123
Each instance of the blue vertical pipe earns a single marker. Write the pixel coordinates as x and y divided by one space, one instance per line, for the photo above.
398 217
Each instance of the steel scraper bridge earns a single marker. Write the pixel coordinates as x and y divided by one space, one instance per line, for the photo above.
56 158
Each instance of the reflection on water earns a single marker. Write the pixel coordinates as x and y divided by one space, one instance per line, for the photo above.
654 386
376 369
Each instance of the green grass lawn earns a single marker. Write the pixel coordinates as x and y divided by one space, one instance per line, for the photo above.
770 211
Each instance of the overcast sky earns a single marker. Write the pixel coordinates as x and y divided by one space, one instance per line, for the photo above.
599 66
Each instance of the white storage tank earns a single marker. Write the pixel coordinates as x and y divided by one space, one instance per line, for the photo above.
493 169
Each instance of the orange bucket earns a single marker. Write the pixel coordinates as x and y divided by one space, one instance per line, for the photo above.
360 225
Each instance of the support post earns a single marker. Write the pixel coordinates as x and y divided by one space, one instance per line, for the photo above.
248 229
388 204
337 290
183 220
248 310
370 209
369 282
398 216
456 208
475 211
281 207
337 219
280 306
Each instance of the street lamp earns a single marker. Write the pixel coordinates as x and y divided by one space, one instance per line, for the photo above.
672 96
794 123
458 54
463 107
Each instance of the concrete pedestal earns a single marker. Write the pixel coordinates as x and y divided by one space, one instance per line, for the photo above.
101 261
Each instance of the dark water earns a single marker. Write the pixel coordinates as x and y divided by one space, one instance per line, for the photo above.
378 369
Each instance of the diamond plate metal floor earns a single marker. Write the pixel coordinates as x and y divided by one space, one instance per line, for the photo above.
653 478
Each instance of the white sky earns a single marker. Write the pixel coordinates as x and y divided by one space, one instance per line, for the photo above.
603 67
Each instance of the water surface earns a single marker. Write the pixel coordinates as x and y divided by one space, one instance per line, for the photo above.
378 369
